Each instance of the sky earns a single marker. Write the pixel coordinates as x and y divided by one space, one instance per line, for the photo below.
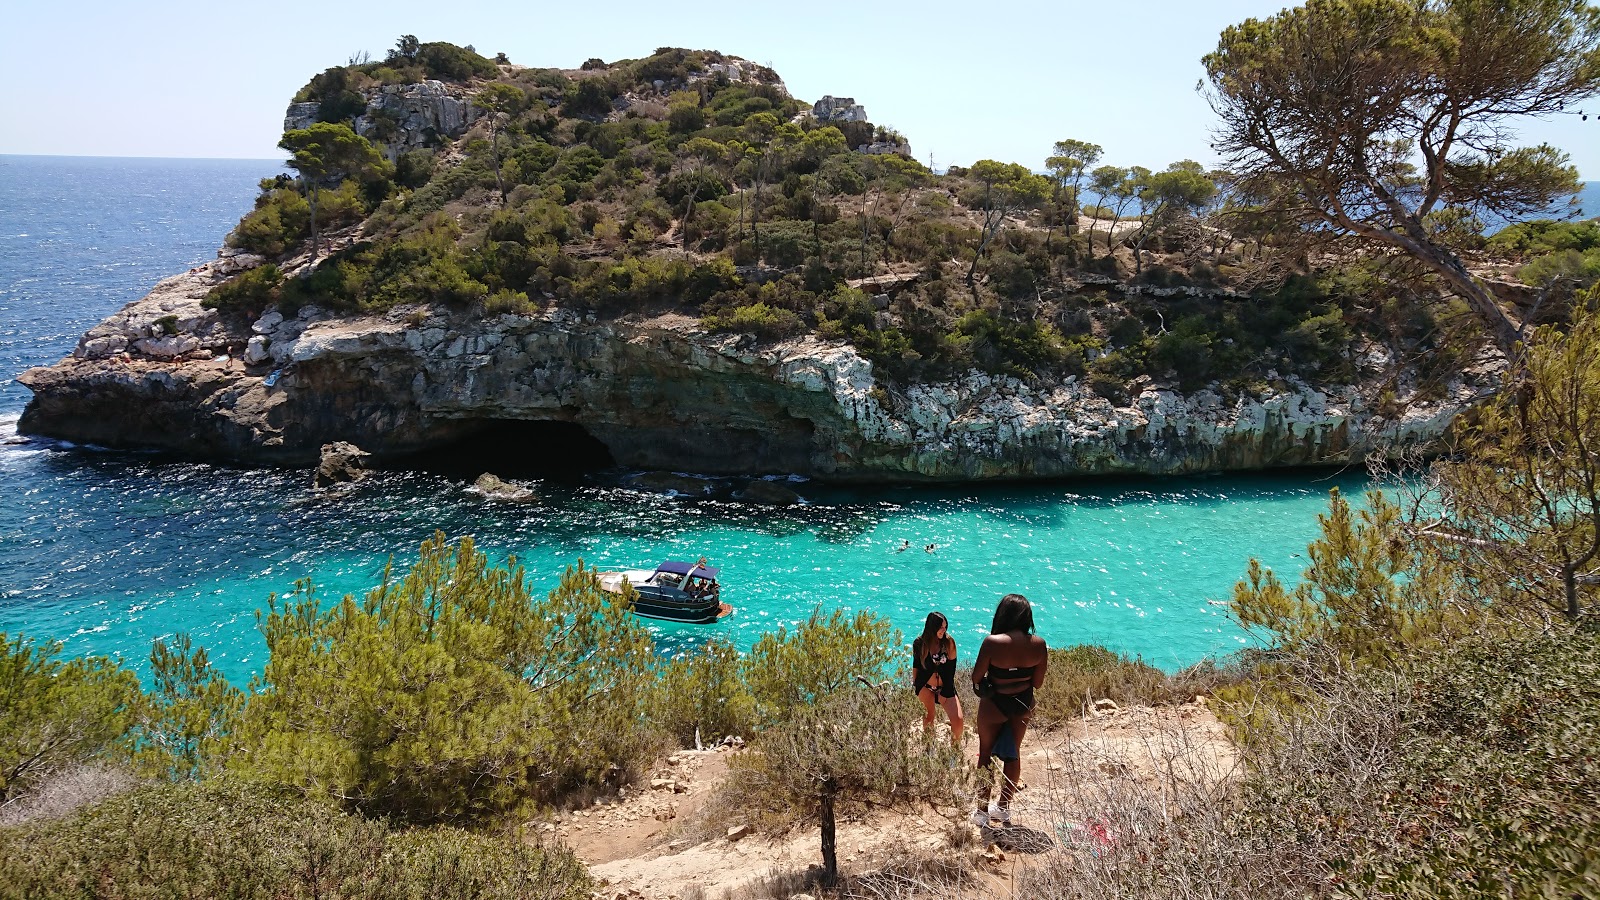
1000 80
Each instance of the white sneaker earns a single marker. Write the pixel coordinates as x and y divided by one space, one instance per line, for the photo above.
979 818
1003 814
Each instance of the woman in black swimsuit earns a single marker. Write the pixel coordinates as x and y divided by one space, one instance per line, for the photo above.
1011 663
933 673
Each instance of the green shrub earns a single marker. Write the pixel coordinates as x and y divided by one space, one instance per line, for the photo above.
1542 236
1188 351
248 293
758 319
1367 595
787 670
413 168
504 302
184 722
231 839
55 714
280 221
452 694
1569 269
700 695
850 750
1082 674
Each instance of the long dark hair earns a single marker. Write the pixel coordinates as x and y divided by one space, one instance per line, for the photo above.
1014 613
924 646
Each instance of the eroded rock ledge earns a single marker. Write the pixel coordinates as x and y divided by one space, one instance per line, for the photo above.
659 393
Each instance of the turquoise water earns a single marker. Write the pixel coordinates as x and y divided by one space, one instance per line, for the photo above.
111 550
107 551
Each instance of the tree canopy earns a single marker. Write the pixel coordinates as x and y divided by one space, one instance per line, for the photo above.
324 151
1362 117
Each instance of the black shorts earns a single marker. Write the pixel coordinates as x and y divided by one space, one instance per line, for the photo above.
1013 706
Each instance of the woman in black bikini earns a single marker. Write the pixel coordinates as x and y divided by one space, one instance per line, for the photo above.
933 678
1011 663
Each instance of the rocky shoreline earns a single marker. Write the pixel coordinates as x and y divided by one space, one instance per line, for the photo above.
660 393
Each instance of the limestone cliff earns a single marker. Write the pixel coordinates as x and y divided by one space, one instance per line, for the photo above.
659 393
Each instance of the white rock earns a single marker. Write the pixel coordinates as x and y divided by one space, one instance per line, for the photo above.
255 352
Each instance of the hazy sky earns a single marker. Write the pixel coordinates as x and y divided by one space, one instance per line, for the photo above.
962 81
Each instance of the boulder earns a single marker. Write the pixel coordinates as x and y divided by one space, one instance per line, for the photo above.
737 832
768 493
494 487
341 462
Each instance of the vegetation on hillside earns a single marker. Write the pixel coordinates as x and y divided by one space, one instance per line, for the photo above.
1420 718
1428 687
657 184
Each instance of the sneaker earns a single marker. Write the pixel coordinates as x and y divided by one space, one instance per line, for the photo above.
1001 813
979 818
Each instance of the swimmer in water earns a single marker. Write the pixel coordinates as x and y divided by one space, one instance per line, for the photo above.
931 547
904 546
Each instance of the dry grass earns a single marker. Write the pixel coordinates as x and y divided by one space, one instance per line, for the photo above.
65 792
1191 830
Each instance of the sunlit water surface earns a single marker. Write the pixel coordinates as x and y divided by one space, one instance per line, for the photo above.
107 551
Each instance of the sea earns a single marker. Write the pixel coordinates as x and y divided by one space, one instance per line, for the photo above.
106 551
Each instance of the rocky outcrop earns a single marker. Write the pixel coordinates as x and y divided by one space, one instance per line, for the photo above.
492 487
662 394
838 109
340 462
401 117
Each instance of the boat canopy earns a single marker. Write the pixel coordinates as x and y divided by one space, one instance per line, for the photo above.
683 568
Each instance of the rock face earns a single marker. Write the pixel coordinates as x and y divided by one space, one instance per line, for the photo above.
340 462
838 109
661 394
402 117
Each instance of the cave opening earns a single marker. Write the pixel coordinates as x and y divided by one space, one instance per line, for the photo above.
513 449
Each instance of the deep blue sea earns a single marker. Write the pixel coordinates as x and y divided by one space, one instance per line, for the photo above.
106 551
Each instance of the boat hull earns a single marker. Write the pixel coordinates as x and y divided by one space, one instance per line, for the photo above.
666 603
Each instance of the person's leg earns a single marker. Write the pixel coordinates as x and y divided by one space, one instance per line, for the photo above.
1013 767
926 696
952 708
990 721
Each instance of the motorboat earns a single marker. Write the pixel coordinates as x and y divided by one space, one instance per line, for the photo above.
674 591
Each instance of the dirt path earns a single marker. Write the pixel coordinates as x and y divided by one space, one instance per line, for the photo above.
640 846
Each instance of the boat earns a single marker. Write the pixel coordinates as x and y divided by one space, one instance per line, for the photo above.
674 591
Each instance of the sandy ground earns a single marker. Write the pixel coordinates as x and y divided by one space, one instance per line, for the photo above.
640 846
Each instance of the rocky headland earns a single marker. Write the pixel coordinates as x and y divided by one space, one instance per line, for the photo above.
658 384
660 392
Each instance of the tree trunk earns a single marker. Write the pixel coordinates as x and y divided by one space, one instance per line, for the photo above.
494 152
316 236
1505 333
830 850
1569 582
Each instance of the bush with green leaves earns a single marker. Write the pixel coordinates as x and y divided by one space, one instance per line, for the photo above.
758 319
450 694
58 713
186 719
701 696
247 294
1541 236
1081 674
1368 594
790 669
1565 269
280 221
234 839
850 749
